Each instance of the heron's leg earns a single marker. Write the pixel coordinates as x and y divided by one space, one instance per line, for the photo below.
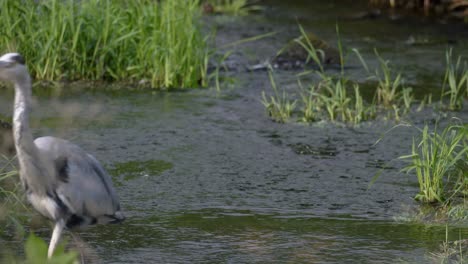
79 243
59 225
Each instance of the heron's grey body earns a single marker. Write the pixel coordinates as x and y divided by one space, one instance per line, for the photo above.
62 182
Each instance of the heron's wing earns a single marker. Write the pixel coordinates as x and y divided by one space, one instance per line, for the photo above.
83 184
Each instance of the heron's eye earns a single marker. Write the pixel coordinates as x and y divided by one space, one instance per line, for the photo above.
18 59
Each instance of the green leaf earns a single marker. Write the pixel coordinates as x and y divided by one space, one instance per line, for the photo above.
36 250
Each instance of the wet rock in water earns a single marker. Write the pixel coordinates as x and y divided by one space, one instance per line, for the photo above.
294 55
370 14
459 9
7 146
208 8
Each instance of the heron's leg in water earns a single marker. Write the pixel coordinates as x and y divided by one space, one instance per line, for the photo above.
59 225
80 245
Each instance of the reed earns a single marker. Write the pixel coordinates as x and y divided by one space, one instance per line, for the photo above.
317 55
361 111
310 104
455 85
233 7
158 42
390 84
334 98
279 106
439 160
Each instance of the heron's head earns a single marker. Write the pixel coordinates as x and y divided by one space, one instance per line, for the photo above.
12 67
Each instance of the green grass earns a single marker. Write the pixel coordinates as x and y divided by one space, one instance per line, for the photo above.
336 98
317 55
157 42
455 85
439 161
233 7
310 104
279 106
9 183
390 92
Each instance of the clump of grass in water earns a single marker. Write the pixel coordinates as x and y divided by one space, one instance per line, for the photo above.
233 7
278 106
156 41
338 104
440 162
456 78
311 104
391 92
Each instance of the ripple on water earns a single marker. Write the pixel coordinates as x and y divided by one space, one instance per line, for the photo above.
133 169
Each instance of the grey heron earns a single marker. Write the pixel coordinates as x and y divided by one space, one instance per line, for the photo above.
61 181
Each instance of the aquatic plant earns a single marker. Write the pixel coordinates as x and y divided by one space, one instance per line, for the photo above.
439 160
456 78
157 42
390 84
310 103
232 7
334 97
456 8
305 41
391 93
361 111
278 106
330 98
337 103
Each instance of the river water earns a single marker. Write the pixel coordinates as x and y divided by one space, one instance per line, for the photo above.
207 177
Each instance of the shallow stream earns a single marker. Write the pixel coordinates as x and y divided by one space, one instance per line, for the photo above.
207 177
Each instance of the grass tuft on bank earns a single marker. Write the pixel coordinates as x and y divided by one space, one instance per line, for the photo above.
154 42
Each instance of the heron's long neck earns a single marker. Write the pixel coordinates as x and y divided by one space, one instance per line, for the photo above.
33 171
21 131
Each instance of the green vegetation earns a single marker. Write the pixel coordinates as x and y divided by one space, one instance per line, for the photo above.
440 162
335 97
390 85
278 106
9 184
154 42
454 8
232 7
456 78
36 253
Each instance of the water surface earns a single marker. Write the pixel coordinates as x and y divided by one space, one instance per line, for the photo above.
206 177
